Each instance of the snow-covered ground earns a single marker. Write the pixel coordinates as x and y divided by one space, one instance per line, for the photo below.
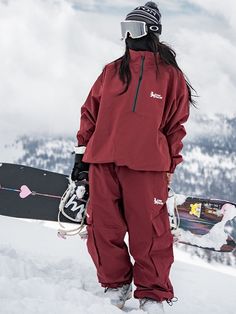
41 273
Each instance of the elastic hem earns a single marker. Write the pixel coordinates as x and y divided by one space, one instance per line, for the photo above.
159 296
115 285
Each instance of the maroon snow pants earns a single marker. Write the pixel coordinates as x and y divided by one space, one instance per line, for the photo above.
126 200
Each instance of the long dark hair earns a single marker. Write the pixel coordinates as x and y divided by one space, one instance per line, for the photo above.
151 43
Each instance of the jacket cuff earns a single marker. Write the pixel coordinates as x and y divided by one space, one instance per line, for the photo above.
172 168
79 149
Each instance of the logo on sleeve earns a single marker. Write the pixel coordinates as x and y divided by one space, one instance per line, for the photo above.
155 95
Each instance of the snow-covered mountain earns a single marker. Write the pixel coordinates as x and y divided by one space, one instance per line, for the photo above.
210 159
50 153
41 273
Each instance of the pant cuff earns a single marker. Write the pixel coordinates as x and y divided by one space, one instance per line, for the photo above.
115 285
156 295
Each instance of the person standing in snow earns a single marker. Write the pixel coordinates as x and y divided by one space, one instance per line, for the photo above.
129 144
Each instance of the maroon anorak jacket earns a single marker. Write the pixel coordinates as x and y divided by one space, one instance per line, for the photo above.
142 128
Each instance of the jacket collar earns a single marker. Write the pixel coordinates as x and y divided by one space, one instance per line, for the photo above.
135 56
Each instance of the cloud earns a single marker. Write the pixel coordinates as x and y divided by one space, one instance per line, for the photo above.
218 8
205 44
207 59
52 52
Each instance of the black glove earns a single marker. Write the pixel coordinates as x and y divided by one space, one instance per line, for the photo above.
80 169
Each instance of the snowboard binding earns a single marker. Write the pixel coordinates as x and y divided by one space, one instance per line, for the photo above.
173 213
73 206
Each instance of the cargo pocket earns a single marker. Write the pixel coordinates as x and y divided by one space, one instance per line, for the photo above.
92 246
161 250
160 222
91 240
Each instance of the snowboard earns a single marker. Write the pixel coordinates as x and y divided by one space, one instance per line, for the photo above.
31 193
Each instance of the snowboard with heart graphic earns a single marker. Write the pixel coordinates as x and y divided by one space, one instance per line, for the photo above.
24 191
27 192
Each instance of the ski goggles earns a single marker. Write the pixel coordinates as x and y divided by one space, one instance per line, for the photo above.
137 29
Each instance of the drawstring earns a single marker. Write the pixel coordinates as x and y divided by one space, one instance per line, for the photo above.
171 301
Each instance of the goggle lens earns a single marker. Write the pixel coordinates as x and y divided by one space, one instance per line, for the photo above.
136 29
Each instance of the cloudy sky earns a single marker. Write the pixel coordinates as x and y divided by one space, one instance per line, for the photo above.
52 52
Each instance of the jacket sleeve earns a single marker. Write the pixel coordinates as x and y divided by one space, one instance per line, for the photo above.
174 128
89 112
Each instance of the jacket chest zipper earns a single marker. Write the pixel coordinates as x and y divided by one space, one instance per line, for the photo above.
139 83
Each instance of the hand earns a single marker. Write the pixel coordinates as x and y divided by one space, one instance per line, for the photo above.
169 177
80 169
80 172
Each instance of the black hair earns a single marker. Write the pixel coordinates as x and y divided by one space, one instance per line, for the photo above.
152 43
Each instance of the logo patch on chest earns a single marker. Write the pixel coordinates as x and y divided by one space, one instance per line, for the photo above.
155 95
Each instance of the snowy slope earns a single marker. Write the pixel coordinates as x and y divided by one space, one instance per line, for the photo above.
40 273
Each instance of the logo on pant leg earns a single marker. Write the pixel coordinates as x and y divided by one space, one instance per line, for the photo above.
157 201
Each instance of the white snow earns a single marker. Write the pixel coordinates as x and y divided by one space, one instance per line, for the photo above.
41 273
